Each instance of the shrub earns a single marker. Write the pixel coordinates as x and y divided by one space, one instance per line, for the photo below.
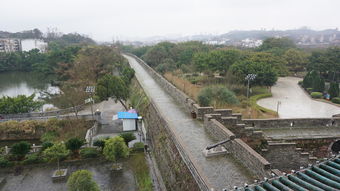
333 90
74 144
336 100
33 159
128 137
56 152
99 143
218 94
204 99
20 149
89 153
82 180
139 146
316 95
46 145
115 148
49 136
4 162
309 90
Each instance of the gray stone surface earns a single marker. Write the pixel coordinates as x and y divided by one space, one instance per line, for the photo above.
39 178
295 103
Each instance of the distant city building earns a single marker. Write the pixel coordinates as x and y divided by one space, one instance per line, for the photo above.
29 44
16 45
10 45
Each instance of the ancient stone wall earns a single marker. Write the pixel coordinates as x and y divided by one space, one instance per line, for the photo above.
178 171
286 156
238 148
293 122
189 104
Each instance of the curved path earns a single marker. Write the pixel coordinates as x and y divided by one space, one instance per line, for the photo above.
220 172
295 103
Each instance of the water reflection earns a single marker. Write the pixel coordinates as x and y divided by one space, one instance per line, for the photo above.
25 83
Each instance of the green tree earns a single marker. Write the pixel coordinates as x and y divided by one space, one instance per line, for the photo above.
266 75
333 90
20 149
112 86
82 180
56 153
19 104
115 148
74 144
296 60
128 137
279 43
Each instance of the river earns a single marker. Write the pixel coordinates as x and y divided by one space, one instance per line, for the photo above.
25 83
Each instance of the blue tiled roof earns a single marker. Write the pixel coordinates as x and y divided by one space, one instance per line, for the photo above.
127 115
320 177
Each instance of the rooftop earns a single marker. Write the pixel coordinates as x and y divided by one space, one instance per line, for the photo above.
323 176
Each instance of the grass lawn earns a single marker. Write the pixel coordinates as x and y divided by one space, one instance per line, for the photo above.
139 166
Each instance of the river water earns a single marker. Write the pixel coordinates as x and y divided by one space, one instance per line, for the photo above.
25 83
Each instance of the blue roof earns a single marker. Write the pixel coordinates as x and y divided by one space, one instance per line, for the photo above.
127 115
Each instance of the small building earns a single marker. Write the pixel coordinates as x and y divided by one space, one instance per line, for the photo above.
129 120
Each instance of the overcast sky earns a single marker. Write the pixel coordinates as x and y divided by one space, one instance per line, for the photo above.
108 19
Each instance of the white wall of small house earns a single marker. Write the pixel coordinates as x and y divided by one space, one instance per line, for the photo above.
129 125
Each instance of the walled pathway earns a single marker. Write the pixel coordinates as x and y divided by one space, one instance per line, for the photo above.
295 103
221 172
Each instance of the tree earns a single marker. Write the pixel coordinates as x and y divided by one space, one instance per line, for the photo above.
279 43
265 73
82 180
20 149
19 104
56 153
71 95
74 144
127 74
333 90
112 86
128 137
115 148
296 60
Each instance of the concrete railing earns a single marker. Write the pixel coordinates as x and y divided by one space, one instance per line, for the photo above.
83 116
42 114
90 133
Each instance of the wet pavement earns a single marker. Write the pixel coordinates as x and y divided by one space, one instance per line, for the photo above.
295 103
39 178
221 172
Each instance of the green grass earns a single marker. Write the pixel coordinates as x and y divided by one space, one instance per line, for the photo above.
253 100
138 164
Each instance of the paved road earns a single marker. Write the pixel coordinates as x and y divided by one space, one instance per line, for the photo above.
221 172
295 103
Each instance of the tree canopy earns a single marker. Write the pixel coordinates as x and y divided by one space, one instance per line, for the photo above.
82 180
115 148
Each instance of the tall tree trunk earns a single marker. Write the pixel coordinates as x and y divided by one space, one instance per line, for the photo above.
123 104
